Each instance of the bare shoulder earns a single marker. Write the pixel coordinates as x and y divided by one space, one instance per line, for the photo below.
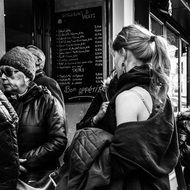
127 107
125 96
130 105
145 96
127 99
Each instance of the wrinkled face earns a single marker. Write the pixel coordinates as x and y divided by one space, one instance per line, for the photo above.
118 60
14 81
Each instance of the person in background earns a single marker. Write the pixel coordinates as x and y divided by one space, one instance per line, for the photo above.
98 106
183 125
41 131
41 78
9 159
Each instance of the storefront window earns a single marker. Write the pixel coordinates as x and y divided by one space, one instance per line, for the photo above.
178 49
174 75
184 50
156 27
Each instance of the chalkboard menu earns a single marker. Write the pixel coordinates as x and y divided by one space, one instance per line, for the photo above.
78 53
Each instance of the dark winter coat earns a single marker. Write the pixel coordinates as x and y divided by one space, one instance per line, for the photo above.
41 131
9 163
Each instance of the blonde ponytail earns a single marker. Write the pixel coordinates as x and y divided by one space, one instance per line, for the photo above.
160 64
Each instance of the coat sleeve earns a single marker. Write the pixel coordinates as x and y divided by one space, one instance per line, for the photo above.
91 112
9 159
54 115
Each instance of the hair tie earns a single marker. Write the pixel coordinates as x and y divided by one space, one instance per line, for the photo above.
152 38
123 37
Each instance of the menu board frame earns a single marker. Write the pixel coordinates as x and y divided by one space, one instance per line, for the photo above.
80 75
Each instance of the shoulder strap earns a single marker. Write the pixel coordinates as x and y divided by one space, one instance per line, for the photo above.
143 100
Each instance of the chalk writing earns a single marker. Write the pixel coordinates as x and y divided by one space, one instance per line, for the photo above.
78 52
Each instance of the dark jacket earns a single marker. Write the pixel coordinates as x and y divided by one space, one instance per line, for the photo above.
92 111
41 132
42 79
9 163
87 161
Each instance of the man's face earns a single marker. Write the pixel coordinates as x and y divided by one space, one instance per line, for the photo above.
13 80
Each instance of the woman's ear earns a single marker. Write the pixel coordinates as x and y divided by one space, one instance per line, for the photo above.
124 53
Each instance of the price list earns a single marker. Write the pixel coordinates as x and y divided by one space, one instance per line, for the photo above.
78 53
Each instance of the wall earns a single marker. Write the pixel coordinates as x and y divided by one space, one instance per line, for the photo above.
129 10
2 29
118 16
123 14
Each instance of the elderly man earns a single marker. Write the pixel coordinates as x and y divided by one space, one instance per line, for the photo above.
41 78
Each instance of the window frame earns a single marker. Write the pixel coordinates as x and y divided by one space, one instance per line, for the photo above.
181 40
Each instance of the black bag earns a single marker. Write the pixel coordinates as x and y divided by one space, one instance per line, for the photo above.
87 165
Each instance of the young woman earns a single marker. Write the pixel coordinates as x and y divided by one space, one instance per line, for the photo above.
144 149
